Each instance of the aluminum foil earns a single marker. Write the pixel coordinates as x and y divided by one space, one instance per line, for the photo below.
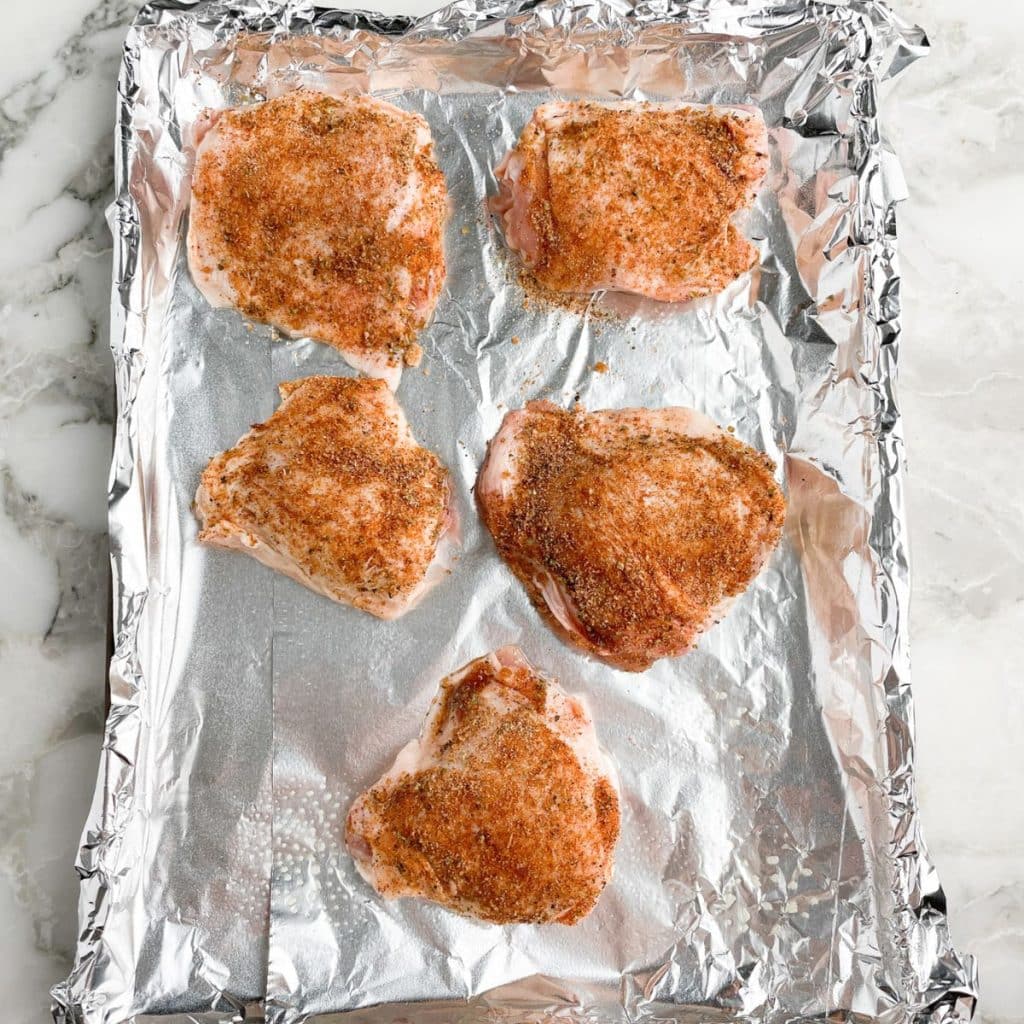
771 864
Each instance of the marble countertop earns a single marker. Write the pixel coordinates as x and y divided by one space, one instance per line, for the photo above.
957 121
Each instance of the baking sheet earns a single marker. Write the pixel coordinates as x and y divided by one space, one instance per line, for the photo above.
770 863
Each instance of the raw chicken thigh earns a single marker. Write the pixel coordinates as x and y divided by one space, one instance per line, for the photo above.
334 491
325 217
633 197
504 809
631 529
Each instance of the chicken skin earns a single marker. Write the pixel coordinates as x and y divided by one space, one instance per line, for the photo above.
323 216
504 809
631 529
334 491
633 197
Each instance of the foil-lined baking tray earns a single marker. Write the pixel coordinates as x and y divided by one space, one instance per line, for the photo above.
771 864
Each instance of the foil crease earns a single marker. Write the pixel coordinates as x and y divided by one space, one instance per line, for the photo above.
772 865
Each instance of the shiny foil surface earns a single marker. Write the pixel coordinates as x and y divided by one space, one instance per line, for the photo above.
771 864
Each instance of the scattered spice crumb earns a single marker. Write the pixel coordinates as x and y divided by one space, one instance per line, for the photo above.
515 339
601 366
465 229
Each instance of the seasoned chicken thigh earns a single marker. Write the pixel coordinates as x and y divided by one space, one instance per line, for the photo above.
633 197
323 216
334 491
631 529
504 809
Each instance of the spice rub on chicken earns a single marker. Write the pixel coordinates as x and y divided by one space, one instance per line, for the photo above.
633 197
631 529
334 491
505 809
323 216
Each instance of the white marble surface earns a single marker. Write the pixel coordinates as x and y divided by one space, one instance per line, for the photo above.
958 122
